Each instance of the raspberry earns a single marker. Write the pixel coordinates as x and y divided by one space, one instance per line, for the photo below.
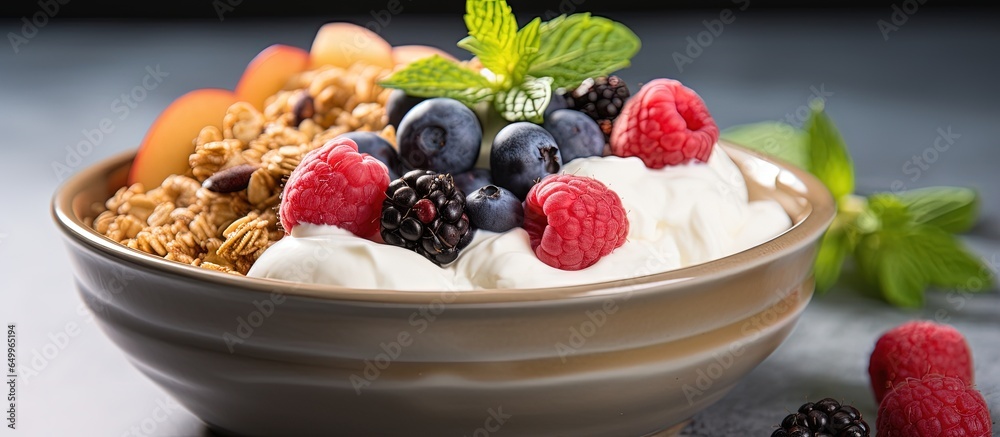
335 185
917 348
665 123
933 406
573 221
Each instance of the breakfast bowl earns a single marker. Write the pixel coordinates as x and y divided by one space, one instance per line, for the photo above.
634 357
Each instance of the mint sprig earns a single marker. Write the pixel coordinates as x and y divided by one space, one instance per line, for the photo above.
828 156
902 244
952 209
492 31
580 46
527 101
436 76
496 41
516 63
834 249
903 256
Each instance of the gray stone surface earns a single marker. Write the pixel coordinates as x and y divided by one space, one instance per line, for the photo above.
889 99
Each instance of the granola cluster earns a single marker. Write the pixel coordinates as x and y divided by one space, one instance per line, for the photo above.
222 214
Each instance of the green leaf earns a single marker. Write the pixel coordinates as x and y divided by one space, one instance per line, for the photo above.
528 41
956 266
526 101
952 209
833 250
901 245
435 76
902 257
828 157
773 138
909 262
492 35
491 22
888 212
579 46
900 279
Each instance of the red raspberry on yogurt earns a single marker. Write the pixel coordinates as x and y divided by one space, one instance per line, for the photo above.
665 123
336 185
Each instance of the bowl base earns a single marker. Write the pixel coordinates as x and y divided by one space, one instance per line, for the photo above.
673 431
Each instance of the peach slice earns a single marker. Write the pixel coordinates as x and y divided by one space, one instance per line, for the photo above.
168 142
342 44
269 71
406 54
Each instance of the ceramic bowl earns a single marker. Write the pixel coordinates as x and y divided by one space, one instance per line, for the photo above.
635 357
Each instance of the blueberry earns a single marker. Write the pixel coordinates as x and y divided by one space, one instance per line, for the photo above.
523 153
558 102
439 134
577 135
376 146
472 180
495 209
398 104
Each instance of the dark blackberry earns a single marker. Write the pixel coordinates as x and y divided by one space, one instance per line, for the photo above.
424 212
601 98
826 418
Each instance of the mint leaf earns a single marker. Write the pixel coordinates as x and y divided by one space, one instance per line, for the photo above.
833 251
774 138
956 266
885 210
905 263
435 76
903 257
514 65
828 157
952 209
902 244
579 46
899 278
526 101
492 22
492 36
527 43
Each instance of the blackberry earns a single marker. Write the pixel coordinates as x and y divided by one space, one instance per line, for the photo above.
425 213
601 98
826 418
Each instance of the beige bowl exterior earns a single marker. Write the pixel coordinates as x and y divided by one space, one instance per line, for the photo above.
635 357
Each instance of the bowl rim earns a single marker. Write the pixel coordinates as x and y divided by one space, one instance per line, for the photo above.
819 214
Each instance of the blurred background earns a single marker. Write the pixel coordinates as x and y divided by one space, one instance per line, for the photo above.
193 9
896 76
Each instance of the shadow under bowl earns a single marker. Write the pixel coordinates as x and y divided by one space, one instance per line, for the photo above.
636 357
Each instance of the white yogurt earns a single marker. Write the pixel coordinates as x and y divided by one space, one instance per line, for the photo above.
678 215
